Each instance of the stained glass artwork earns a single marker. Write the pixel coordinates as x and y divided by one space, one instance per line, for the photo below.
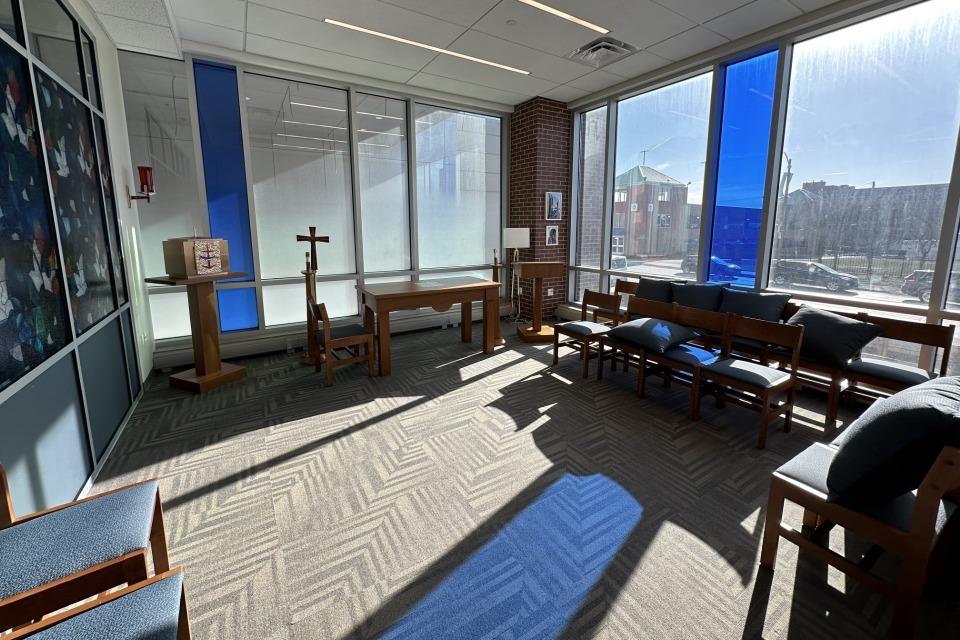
71 163
33 311
110 203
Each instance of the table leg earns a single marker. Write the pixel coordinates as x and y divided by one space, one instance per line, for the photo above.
383 341
466 321
537 304
202 301
491 304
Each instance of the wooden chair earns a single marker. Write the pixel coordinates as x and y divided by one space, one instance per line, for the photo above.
631 353
616 313
346 338
909 526
158 604
57 557
582 334
754 385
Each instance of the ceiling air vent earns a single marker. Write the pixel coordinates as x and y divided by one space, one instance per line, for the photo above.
601 52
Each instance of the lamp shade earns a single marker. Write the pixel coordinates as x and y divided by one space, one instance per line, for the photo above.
516 238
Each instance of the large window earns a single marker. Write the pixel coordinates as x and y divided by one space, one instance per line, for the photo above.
593 162
658 187
871 132
458 187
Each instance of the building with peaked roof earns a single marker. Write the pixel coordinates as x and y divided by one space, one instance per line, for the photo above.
651 217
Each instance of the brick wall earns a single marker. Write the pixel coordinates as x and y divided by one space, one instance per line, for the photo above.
540 161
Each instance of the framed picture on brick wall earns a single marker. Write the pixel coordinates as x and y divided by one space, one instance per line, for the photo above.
553 205
553 235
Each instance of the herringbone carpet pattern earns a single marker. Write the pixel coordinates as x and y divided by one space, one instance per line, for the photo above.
475 496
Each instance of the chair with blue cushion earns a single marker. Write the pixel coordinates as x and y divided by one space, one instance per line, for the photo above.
582 334
341 345
57 557
155 609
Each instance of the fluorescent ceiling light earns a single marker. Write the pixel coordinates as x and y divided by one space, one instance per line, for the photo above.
429 47
564 15
314 124
290 146
290 135
362 113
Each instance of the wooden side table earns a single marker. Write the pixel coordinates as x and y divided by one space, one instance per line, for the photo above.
208 371
537 271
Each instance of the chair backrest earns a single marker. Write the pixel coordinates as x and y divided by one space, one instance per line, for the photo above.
6 501
931 335
788 336
319 311
942 481
624 287
712 321
597 299
650 309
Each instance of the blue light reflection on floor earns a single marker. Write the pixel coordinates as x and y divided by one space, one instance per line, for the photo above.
533 575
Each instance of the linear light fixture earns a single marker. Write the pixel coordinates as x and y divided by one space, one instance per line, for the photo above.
362 113
366 144
565 15
456 54
314 124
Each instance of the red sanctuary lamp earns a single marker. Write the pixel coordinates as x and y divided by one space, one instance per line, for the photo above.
145 173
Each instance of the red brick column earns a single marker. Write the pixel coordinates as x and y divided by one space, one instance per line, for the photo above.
540 161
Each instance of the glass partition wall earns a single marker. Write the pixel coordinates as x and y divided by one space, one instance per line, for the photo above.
333 157
826 164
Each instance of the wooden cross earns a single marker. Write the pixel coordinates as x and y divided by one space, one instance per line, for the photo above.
313 239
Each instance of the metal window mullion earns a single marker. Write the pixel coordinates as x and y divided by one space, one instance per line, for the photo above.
709 200
414 242
202 221
774 159
609 169
576 171
354 137
506 132
251 204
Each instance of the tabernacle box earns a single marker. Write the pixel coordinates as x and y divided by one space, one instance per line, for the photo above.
189 257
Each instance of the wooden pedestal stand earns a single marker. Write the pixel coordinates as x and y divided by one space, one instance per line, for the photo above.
208 372
537 271
311 356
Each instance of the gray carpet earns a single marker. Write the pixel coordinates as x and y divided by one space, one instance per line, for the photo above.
300 511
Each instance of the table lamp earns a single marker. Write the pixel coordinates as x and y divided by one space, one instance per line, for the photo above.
515 238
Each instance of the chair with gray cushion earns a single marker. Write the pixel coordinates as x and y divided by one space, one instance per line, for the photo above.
155 609
768 390
615 311
54 558
582 334
341 345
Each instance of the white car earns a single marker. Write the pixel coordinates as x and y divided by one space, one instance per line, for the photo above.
618 263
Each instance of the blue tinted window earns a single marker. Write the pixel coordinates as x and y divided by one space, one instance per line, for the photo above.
238 309
741 168
224 173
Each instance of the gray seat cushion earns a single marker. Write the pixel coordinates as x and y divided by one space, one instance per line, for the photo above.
754 304
149 613
622 311
653 289
889 370
889 449
581 328
652 334
810 467
699 296
344 331
692 355
832 339
63 542
748 372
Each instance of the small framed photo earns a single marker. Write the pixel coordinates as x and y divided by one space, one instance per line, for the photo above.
553 235
553 205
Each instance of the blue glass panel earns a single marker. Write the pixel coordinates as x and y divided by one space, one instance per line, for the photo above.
238 309
224 173
741 168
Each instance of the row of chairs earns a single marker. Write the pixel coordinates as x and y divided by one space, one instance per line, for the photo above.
708 363
81 569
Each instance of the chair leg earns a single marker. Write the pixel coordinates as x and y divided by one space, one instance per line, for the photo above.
913 576
764 423
788 416
771 528
158 539
642 375
329 367
601 355
833 401
695 395
556 347
613 360
585 356
368 352
183 626
811 518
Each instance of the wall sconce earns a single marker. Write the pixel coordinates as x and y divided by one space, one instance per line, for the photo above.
146 186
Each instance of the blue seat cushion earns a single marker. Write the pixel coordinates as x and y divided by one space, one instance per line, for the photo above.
344 331
652 334
888 370
749 372
692 355
149 613
581 328
69 540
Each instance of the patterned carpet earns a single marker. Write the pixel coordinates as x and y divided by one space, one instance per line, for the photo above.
475 496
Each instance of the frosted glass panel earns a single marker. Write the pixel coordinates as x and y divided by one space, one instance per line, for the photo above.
300 156
158 119
486 275
458 187
170 314
381 128
285 303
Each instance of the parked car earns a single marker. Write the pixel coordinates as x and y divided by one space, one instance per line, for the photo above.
918 284
812 274
618 263
720 269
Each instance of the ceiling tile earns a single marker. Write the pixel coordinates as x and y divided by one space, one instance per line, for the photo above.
543 65
149 11
223 13
637 22
306 31
327 59
452 67
458 87
812 5
140 35
564 93
366 13
595 81
534 28
753 17
462 12
702 10
688 43
210 34
636 64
